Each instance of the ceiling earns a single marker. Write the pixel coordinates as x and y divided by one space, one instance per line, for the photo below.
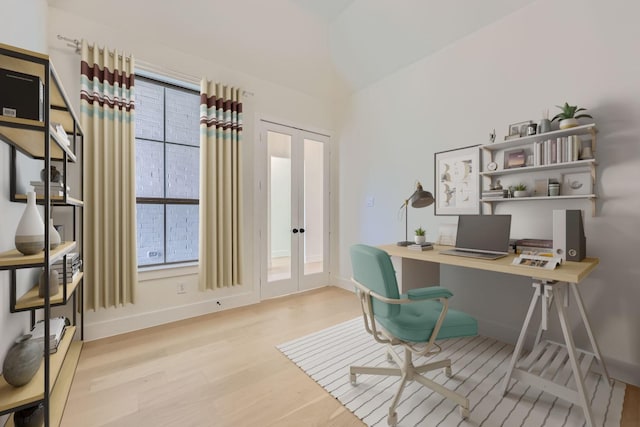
314 46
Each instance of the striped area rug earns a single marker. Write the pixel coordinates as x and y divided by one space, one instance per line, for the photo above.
479 364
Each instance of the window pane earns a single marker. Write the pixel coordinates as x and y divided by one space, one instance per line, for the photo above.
183 117
182 233
183 172
149 110
149 168
150 229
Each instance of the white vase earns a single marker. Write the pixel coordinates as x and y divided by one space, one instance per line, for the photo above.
420 239
54 236
29 238
520 193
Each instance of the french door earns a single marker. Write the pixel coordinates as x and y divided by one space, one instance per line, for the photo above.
294 199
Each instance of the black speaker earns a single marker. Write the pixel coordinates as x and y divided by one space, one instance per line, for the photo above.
569 241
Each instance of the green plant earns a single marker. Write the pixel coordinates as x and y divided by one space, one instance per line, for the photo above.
520 187
420 231
569 112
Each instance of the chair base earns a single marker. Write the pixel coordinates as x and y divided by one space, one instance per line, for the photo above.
408 372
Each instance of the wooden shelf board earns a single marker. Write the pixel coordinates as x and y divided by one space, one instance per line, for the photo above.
55 200
32 300
30 142
15 397
14 259
526 140
568 165
522 199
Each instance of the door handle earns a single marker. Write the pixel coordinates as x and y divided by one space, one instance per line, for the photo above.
295 230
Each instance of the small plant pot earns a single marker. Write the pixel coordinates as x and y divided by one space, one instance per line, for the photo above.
521 193
568 123
419 239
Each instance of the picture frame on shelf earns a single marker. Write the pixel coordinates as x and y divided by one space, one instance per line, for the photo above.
457 183
541 187
517 130
515 158
576 184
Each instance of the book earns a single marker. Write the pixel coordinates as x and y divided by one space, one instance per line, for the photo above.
537 261
421 247
56 332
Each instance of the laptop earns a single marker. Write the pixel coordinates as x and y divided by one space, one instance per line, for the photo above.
482 236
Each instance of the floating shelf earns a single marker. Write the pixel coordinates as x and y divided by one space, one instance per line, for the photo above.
589 129
14 259
524 199
568 165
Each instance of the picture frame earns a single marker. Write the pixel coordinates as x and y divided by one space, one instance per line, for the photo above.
515 158
576 184
457 182
517 130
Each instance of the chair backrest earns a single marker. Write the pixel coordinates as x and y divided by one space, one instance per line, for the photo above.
372 268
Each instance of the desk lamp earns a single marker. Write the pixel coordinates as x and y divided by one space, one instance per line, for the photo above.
419 199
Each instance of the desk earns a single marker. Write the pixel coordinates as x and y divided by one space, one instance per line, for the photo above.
556 368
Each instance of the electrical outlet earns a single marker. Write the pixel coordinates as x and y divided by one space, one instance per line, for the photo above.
180 289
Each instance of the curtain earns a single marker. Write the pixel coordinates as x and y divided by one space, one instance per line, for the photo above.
107 117
220 184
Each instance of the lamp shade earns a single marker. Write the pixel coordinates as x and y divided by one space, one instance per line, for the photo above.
421 198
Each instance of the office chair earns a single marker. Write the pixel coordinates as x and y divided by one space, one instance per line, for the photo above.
414 321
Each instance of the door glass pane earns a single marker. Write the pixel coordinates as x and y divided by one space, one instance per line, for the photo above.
279 212
313 207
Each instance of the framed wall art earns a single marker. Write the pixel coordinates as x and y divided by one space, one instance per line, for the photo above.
457 181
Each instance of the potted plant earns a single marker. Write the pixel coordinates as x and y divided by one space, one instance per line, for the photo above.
520 190
568 117
420 237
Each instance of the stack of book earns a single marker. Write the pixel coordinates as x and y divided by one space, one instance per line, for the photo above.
421 247
55 188
495 194
73 266
534 246
56 332
58 130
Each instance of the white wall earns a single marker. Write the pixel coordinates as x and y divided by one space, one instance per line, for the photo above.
157 300
583 52
24 25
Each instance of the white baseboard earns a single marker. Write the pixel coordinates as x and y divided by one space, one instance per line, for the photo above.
121 325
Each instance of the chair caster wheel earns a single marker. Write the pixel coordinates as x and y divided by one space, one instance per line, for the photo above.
464 413
447 371
392 420
352 379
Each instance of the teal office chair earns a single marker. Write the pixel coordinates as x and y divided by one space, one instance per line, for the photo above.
415 321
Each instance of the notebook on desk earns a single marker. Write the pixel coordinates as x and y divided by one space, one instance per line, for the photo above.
482 236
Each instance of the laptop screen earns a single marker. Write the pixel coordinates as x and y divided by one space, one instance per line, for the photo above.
484 232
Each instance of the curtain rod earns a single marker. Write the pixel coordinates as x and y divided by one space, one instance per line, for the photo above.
75 44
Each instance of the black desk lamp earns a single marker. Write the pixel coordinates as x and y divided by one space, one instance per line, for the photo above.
419 199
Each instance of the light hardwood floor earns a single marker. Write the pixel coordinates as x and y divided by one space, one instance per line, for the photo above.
221 370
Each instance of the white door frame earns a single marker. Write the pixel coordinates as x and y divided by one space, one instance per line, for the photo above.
302 282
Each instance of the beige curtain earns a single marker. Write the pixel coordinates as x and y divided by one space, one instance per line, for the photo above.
220 184
107 107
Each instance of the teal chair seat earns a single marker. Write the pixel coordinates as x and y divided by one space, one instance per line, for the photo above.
414 320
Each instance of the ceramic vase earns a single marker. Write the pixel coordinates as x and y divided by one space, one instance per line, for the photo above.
22 361
568 123
54 283
32 416
29 238
54 236
420 239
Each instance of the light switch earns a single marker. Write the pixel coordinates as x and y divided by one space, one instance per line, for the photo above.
370 202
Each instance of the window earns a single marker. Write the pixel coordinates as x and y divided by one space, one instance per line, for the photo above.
167 172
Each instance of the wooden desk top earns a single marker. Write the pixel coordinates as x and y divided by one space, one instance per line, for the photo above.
569 271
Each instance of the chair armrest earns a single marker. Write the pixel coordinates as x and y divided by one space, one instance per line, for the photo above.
431 292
